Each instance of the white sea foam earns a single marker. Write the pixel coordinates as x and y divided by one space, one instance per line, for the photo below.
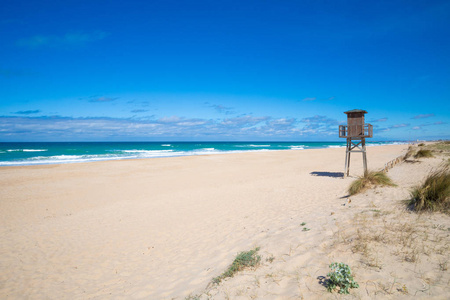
334 146
27 150
297 148
252 146
146 151
166 145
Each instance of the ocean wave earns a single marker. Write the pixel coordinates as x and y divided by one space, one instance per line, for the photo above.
166 145
57 159
252 146
26 150
146 151
297 147
334 146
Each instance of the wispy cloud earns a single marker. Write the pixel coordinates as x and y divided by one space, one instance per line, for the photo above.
68 39
102 99
320 119
423 116
396 126
27 112
379 120
431 124
139 110
319 125
54 127
321 99
439 123
221 109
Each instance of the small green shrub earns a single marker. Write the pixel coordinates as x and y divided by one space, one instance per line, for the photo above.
421 145
243 260
434 193
341 277
423 153
368 180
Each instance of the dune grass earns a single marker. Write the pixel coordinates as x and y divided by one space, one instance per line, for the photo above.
423 153
248 259
434 193
368 180
409 153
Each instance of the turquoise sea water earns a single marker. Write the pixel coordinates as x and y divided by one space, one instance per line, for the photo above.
15 154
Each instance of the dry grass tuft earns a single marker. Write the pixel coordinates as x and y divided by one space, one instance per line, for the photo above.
423 153
409 153
434 193
408 240
369 179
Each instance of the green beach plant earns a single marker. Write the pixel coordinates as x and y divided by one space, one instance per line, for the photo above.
248 259
368 180
434 193
341 277
409 153
423 153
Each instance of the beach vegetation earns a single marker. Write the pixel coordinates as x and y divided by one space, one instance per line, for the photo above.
270 258
409 153
423 153
421 145
434 193
246 259
441 147
368 180
341 278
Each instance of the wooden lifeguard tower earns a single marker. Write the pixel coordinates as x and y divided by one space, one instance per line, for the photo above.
356 132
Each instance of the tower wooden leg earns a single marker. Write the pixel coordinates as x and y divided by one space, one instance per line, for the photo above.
347 158
348 163
364 156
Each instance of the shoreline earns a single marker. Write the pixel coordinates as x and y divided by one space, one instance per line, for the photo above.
163 228
77 160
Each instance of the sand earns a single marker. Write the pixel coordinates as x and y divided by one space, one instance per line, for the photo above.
163 228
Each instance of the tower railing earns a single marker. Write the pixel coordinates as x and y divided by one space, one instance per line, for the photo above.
356 131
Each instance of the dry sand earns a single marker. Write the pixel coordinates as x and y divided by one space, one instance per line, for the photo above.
163 228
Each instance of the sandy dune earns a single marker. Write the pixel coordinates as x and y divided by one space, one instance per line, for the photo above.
163 228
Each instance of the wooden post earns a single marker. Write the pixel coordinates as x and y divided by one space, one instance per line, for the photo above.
364 155
351 146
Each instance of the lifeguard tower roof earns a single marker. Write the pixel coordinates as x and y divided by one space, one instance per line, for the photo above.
355 111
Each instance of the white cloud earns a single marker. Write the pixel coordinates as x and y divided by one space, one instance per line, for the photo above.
55 127
423 116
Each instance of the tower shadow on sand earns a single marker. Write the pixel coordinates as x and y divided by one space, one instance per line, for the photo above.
328 174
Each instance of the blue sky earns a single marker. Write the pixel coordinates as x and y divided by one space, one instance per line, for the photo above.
222 70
